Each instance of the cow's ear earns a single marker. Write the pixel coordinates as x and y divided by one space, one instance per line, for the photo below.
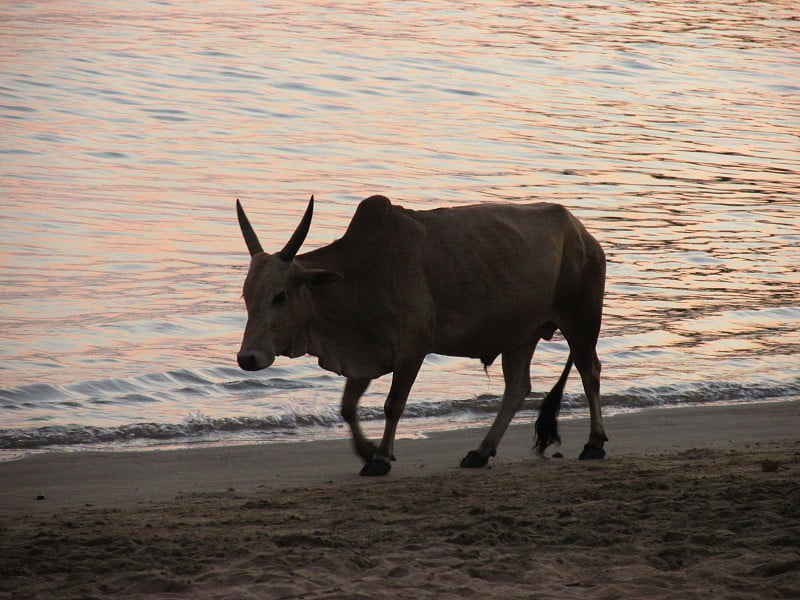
316 277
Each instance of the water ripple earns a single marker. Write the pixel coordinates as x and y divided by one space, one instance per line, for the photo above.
669 128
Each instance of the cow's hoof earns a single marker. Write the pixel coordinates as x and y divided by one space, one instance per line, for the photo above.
592 452
474 460
376 467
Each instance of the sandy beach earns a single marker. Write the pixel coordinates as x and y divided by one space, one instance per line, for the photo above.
700 502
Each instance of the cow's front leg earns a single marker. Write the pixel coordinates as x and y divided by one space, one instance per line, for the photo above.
402 381
353 390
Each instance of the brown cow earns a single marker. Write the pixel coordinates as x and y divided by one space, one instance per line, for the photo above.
476 281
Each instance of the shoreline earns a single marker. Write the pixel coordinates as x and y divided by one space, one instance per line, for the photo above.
699 502
100 479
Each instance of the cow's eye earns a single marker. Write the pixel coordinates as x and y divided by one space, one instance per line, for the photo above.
279 299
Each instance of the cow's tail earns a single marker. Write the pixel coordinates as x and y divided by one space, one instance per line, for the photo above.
546 430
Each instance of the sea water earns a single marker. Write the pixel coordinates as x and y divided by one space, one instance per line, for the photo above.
128 129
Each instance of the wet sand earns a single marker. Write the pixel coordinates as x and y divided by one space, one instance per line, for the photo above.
690 502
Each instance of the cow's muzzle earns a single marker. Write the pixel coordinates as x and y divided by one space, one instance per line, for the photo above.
253 361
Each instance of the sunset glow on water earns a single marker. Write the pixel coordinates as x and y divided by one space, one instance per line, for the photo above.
129 128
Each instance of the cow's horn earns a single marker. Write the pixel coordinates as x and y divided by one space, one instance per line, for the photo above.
250 237
298 237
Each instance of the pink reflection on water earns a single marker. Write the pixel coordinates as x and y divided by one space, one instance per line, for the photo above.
133 127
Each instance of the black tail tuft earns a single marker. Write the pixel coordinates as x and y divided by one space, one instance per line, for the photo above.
546 429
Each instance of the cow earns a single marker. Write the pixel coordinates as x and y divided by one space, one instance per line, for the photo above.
477 281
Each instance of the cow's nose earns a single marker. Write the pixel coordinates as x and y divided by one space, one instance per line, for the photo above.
248 361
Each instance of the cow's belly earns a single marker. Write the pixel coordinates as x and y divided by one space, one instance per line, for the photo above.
487 338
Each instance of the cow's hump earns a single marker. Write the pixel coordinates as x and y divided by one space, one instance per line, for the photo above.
369 215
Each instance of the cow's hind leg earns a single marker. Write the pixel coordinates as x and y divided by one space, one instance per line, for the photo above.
402 380
588 365
353 390
517 377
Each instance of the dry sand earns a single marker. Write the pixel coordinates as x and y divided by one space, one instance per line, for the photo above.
690 503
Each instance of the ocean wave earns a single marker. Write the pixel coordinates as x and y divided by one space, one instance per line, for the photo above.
164 385
199 426
195 425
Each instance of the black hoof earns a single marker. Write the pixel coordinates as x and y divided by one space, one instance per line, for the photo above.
376 467
592 452
474 460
